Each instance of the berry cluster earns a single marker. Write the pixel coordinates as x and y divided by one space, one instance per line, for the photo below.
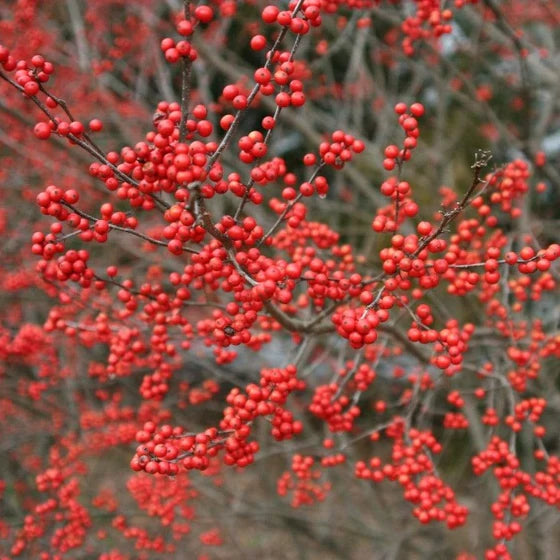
413 469
340 150
169 449
203 245
358 325
303 482
408 121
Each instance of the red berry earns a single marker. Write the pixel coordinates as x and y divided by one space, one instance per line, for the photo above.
270 13
258 42
95 125
42 131
417 109
204 14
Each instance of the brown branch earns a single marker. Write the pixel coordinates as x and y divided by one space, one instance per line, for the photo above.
186 74
130 231
229 134
481 161
88 146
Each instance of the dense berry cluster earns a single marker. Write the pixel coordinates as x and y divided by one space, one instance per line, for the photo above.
412 467
169 449
262 259
303 482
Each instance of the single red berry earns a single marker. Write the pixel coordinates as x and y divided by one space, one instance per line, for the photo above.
204 14
42 131
417 109
258 42
31 88
270 13
95 125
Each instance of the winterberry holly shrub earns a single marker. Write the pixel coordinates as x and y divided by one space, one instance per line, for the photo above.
279 280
